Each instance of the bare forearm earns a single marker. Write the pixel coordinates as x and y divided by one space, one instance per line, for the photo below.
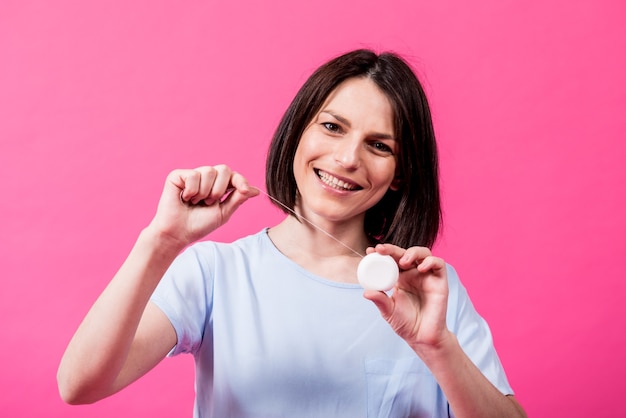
468 391
100 346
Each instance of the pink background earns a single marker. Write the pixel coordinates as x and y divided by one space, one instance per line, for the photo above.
99 100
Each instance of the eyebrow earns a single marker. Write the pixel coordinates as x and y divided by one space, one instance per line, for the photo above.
347 123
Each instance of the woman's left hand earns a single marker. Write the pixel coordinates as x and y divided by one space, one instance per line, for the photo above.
416 308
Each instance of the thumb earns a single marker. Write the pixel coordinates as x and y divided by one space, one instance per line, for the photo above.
236 199
383 302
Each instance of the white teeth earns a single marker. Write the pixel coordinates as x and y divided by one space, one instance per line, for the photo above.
335 182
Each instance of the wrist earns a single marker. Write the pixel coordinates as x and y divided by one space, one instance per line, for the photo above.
160 242
437 352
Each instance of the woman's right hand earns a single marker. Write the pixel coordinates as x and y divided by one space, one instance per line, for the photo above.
197 201
123 336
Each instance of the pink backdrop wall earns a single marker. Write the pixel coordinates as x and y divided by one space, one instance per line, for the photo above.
99 100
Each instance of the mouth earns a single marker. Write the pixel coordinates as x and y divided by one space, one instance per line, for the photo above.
335 182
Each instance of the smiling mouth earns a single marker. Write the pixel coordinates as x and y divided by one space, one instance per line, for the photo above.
336 183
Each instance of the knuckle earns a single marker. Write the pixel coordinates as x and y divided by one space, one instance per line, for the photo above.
222 168
208 170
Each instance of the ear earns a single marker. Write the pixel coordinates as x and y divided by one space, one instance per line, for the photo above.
395 184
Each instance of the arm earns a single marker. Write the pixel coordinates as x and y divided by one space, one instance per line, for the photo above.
123 335
416 311
468 391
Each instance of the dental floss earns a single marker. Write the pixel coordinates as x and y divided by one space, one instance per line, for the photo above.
374 272
378 272
311 223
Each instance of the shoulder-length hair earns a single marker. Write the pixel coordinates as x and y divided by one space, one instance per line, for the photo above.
407 217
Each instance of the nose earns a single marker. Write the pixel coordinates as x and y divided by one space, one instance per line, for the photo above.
348 153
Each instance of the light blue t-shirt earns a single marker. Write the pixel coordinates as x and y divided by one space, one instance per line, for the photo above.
270 339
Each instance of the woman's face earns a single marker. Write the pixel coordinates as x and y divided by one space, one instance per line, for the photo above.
346 158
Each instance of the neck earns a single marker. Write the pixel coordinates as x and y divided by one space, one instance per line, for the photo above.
326 240
317 252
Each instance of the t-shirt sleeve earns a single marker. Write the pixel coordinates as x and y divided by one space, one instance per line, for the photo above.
184 294
474 335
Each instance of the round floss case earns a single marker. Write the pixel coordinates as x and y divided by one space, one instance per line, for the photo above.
377 272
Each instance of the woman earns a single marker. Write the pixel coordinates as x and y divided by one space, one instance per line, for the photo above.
276 321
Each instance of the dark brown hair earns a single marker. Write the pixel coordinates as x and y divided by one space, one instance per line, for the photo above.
407 217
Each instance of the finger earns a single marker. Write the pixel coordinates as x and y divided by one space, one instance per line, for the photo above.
389 249
406 259
187 182
413 256
431 263
240 183
222 185
383 302
241 191
207 179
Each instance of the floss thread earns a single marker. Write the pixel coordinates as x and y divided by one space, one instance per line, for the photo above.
374 272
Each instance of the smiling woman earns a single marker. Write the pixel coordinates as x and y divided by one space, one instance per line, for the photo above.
277 321
394 84
344 148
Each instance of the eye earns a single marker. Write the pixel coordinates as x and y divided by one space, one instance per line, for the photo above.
331 127
381 147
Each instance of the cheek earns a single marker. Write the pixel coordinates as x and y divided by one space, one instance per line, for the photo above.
386 173
303 155
299 159
308 149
